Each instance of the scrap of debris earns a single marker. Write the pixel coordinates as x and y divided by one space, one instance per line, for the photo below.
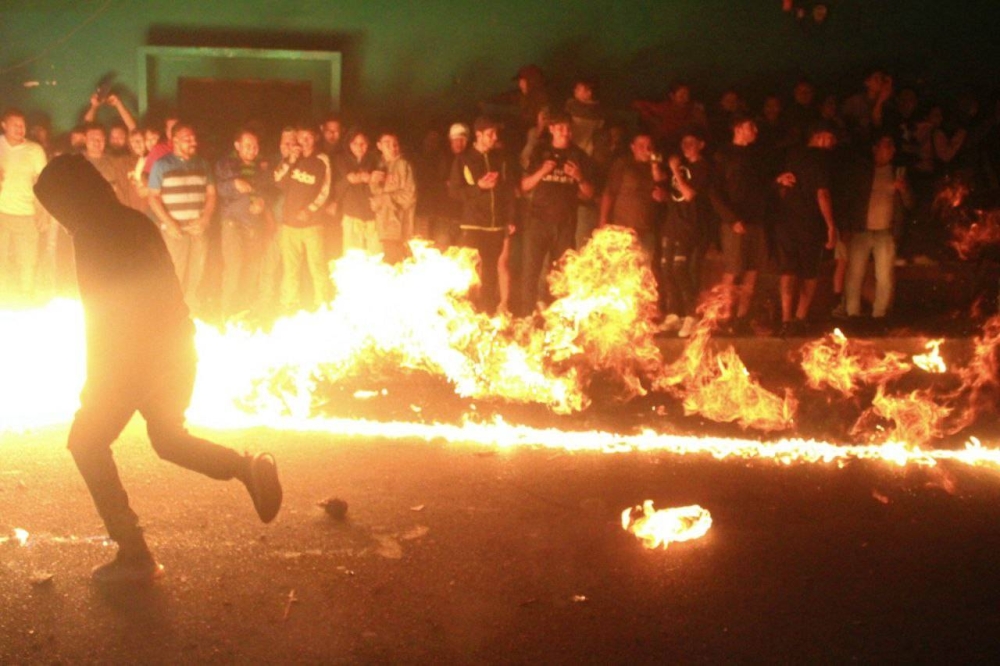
335 507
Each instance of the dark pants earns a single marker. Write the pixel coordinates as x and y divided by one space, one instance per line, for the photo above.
682 261
541 238
160 390
489 244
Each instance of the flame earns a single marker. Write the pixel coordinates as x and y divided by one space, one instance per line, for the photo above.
931 361
836 362
666 526
43 364
984 368
984 230
718 385
416 317
916 416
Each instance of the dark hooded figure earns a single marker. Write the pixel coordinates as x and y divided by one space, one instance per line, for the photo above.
140 357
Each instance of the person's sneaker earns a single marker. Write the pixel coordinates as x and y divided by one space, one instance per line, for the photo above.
839 312
669 324
127 569
264 487
792 329
687 327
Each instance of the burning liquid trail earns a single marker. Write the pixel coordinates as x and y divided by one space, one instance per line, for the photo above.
417 318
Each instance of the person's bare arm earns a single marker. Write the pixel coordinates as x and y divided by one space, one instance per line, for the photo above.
946 148
825 202
166 223
91 114
585 189
688 193
530 181
607 204
206 213
123 111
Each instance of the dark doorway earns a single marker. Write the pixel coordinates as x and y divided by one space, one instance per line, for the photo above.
218 107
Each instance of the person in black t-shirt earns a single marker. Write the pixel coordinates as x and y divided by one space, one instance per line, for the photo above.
740 201
559 175
687 228
806 226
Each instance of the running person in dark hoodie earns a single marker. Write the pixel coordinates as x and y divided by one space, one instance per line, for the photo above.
140 357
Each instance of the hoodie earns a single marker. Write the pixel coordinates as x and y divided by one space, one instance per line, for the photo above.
133 305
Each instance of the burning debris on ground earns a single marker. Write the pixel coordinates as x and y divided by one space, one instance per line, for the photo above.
661 527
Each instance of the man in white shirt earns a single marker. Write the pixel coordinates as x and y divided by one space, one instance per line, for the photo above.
21 219
881 196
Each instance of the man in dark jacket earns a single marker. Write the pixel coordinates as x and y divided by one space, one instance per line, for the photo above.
244 186
140 357
479 179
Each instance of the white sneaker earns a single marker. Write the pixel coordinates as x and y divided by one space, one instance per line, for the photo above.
687 328
670 323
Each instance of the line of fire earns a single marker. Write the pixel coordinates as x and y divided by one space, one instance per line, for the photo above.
425 364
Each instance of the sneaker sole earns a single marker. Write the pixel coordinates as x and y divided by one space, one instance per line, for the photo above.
131 578
266 492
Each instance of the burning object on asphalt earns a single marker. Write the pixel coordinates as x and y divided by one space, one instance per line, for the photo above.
665 526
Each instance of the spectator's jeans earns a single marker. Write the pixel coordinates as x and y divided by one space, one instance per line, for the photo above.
189 254
541 238
586 222
881 246
270 269
298 244
47 271
159 386
681 284
242 249
18 256
361 235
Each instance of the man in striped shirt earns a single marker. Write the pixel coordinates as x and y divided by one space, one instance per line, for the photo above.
182 198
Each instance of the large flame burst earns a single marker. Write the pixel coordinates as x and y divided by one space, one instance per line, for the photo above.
416 317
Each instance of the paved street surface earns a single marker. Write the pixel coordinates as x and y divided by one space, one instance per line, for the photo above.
461 554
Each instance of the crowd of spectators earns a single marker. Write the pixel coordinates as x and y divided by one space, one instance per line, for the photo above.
786 185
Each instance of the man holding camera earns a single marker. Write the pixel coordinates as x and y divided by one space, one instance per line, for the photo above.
559 175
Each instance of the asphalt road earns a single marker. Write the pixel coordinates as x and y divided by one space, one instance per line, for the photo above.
460 554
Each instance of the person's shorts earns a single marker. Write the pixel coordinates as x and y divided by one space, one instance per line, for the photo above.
799 254
743 252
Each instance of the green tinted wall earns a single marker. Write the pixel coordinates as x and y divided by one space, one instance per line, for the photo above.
436 57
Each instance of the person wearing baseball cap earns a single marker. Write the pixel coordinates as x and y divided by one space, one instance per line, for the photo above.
458 138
